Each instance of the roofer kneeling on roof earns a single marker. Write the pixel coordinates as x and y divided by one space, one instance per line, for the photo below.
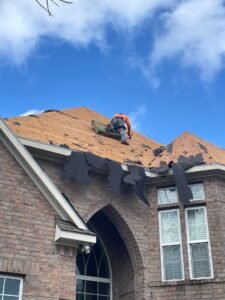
119 124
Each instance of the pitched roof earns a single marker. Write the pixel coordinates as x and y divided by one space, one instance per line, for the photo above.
72 128
187 145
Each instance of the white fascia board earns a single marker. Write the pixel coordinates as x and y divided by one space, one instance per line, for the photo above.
195 169
66 152
46 147
73 238
39 177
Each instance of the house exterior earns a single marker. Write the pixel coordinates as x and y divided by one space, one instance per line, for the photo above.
79 237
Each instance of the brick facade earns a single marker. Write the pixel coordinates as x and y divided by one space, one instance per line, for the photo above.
128 229
27 225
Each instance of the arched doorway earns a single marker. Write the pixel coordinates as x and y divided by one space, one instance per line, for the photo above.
117 274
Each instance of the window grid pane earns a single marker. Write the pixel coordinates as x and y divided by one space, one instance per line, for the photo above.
9 288
168 195
172 262
197 224
170 228
197 191
199 243
171 245
93 274
200 260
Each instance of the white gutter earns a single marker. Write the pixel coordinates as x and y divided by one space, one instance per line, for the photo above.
66 152
39 177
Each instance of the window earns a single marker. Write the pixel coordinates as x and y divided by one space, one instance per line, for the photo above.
200 260
169 195
197 191
93 275
10 288
170 244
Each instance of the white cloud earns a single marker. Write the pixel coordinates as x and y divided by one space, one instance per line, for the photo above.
24 22
31 112
192 31
137 117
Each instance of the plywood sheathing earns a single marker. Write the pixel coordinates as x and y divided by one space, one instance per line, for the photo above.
187 145
72 128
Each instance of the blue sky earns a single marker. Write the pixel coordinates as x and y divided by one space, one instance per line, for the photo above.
161 62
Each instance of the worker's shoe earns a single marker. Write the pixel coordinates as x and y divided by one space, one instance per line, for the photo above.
125 143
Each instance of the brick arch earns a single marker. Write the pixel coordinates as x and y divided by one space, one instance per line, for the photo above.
131 246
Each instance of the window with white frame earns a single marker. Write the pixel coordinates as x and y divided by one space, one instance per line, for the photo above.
200 259
170 244
197 191
169 195
10 288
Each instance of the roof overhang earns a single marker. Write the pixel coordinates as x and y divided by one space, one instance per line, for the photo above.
39 177
63 153
73 239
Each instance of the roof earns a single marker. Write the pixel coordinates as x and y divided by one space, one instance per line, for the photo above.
72 128
69 226
187 145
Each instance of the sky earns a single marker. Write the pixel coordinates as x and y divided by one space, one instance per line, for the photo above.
162 62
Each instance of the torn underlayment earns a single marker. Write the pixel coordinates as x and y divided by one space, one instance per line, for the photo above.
79 165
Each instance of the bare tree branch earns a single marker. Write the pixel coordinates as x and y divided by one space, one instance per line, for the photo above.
47 7
65 1
55 3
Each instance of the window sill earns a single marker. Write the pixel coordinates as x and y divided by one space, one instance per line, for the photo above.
184 282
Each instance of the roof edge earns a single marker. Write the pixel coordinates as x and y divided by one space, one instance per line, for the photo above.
39 177
66 152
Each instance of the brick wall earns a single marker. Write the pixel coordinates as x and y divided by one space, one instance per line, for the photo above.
138 227
27 229
130 235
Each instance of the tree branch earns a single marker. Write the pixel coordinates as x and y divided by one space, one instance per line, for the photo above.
47 7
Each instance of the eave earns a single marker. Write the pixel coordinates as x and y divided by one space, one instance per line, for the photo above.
62 153
39 177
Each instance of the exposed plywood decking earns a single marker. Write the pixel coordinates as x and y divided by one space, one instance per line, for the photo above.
72 128
187 145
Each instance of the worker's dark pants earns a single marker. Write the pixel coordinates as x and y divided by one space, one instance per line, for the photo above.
121 131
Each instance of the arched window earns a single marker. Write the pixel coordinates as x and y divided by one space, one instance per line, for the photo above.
93 275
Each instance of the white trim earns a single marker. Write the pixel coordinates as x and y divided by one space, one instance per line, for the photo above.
71 238
46 147
21 284
66 152
197 242
170 244
39 177
93 278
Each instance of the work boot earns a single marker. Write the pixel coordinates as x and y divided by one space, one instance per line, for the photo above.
125 143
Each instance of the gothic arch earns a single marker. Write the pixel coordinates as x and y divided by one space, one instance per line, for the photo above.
121 245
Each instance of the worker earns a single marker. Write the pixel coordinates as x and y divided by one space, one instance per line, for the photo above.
119 124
